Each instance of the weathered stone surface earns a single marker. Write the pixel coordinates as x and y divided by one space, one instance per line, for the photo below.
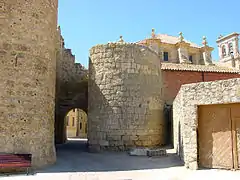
138 152
28 75
148 152
185 112
125 97
156 152
71 87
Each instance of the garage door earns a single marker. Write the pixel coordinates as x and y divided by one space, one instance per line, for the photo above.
218 136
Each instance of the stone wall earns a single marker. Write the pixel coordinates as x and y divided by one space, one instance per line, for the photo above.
177 122
71 87
125 97
28 76
67 69
186 117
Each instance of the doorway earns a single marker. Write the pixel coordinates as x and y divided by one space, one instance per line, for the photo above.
219 136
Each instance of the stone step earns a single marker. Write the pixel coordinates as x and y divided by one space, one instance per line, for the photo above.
150 152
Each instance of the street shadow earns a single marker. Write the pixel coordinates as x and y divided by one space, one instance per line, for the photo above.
74 157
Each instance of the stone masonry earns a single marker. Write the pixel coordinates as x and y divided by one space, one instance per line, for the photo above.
125 97
185 115
71 87
28 76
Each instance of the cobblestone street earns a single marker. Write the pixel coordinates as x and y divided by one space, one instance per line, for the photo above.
74 163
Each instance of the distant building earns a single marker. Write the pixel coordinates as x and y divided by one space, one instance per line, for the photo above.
228 48
76 121
185 62
173 49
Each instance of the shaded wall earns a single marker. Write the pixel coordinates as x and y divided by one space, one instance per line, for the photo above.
28 71
125 100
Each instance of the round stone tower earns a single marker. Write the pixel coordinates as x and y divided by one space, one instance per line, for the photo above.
125 97
28 75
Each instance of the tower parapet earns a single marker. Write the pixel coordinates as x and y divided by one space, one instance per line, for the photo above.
228 48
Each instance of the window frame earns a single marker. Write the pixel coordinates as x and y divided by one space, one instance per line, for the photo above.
191 59
167 53
230 48
224 51
73 121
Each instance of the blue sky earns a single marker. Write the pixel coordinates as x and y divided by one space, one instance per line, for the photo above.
85 23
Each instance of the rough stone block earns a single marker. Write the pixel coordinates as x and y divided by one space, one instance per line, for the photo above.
156 152
138 152
103 143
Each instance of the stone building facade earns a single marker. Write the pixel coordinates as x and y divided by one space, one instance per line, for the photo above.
198 65
186 115
125 97
228 48
76 120
178 50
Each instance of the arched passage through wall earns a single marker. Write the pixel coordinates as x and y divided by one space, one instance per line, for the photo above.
70 96
76 124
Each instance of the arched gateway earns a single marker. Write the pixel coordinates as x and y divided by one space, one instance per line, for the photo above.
40 83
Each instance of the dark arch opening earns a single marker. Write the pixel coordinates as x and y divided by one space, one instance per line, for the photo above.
69 96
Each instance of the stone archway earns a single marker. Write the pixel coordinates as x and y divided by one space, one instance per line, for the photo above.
71 95
71 87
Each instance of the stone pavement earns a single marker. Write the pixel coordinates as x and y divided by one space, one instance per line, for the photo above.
74 163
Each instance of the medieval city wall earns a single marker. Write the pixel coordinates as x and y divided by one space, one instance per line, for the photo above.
28 76
125 106
71 87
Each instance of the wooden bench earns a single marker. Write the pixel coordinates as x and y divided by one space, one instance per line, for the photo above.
13 161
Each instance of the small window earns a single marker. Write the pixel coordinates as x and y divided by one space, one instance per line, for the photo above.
67 119
230 48
165 56
191 58
73 121
85 128
80 125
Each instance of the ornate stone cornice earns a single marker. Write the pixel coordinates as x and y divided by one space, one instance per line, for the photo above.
206 48
221 38
181 42
152 41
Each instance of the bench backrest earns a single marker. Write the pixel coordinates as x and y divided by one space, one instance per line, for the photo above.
11 160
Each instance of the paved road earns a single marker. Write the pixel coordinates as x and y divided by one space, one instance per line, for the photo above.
75 163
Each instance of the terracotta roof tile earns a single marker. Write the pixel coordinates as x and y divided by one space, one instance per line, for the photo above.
165 38
200 68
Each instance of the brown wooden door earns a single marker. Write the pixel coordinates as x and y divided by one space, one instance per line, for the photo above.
235 116
215 137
